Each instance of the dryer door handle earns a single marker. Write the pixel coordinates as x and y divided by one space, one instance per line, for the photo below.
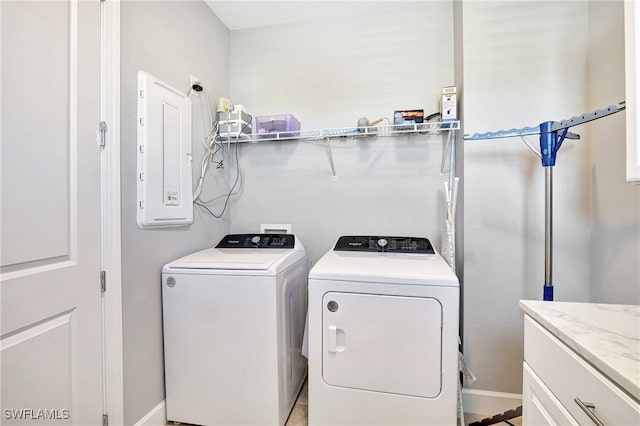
335 339
332 338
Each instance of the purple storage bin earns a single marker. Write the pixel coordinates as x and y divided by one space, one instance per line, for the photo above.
281 125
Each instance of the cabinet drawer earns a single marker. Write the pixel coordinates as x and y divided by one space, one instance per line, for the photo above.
540 407
569 376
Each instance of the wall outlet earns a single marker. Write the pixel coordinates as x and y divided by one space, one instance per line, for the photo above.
193 80
449 105
275 228
224 104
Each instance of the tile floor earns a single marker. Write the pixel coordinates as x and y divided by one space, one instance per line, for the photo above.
300 412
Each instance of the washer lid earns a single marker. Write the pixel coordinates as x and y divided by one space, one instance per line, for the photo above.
253 261
384 267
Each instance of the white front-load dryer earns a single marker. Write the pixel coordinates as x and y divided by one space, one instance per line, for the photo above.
383 334
233 319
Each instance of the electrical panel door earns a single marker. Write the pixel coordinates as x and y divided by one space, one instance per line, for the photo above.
164 155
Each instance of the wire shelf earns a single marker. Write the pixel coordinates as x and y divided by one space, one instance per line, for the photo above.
347 132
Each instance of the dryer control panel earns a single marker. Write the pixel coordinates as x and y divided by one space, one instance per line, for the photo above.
384 244
279 241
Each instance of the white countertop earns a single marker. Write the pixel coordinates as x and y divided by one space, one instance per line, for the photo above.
607 336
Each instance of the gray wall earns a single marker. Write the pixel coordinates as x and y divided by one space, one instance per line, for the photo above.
328 73
522 65
614 203
171 40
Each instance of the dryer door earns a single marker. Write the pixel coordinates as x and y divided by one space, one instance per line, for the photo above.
390 344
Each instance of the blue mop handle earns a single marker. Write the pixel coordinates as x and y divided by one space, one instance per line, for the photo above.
550 143
548 293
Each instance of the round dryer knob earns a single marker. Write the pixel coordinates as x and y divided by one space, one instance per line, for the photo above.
382 242
256 239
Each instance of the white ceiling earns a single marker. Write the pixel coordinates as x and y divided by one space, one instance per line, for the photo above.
241 14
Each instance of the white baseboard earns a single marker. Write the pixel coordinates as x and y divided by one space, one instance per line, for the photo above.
489 403
473 401
156 417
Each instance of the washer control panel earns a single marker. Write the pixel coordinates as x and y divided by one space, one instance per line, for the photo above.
384 244
266 241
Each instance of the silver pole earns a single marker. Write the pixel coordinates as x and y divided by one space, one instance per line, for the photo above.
548 233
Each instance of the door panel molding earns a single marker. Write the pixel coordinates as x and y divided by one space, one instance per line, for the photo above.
32 330
35 267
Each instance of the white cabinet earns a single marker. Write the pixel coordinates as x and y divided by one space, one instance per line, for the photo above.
632 87
540 406
557 380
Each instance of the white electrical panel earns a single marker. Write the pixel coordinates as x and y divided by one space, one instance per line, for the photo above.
164 155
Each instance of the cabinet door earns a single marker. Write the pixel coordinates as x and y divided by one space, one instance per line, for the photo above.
539 406
568 376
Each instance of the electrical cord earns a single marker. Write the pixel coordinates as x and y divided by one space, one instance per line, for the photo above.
223 195
220 163
228 196
530 147
206 159
201 203
432 116
211 146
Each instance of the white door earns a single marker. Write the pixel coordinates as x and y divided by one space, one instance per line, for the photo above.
50 330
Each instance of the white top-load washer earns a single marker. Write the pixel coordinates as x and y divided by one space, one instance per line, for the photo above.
233 320
383 334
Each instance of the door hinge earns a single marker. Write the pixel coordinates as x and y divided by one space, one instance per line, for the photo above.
102 134
105 420
103 281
